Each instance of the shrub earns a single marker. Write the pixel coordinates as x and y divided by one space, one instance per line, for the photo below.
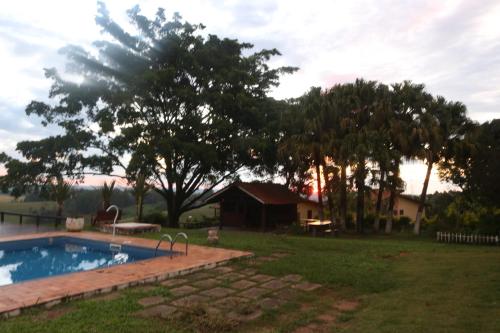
155 218
369 221
403 223
205 222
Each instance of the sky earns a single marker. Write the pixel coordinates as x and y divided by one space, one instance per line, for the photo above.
452 46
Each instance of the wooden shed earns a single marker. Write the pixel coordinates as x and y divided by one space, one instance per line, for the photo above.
256 205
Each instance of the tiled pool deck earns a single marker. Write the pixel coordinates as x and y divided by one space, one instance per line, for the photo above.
51 291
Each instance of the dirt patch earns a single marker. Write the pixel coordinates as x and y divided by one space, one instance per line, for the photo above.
311 328
395 256
327 318
55 313
347 305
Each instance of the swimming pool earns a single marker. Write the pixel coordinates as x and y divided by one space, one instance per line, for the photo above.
29 259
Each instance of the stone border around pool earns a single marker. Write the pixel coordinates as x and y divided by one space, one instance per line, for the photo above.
48 292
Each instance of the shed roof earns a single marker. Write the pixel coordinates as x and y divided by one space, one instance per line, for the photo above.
265 193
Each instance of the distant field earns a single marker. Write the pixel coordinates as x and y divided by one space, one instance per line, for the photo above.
42 208
7 204
5 198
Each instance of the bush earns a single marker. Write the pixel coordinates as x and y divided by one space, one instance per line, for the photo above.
369 221
349 222
205 222
403 223
155 218
489 223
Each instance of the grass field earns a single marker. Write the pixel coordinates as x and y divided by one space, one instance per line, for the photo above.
403 285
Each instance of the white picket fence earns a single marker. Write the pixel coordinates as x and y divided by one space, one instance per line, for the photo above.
450 237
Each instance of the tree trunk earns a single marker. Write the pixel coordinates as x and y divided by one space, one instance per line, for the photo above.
343 196
392 198
360 200
173 219
421 205
328 187
376 224
320 191
60 207
139 207
172 210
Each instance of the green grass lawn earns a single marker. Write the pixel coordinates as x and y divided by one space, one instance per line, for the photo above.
404 284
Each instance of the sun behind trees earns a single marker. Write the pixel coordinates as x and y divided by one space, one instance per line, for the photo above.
188 112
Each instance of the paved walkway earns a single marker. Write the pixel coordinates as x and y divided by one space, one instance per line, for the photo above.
239 294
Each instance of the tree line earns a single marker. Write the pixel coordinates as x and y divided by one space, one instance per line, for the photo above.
178 111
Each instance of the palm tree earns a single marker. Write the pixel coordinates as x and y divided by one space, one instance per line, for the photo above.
382 145
407 101
140 188
364 99
107 193
341 146
440 124
60 191
313 139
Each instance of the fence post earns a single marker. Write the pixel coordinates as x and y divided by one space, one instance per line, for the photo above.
37 221
20 219
2 217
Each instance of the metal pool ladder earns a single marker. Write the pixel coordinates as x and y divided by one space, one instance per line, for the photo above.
172 242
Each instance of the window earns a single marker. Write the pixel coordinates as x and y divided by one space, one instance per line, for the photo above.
395 212
309 214
401 212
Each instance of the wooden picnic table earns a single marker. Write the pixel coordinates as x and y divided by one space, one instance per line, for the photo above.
317 225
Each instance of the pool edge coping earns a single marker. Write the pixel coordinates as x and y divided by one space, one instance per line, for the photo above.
91 292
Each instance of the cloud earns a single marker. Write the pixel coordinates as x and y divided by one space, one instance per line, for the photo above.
452 46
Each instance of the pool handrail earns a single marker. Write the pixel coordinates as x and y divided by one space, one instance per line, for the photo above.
115 207
172 242
161 239
183 234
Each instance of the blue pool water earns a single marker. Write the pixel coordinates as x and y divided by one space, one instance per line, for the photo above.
44 257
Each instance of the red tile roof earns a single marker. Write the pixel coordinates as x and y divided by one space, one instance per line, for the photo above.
265 193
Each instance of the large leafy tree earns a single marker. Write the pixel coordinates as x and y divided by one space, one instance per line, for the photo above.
473 163
186 105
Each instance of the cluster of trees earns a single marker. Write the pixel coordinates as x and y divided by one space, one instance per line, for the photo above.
179 112
361 131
